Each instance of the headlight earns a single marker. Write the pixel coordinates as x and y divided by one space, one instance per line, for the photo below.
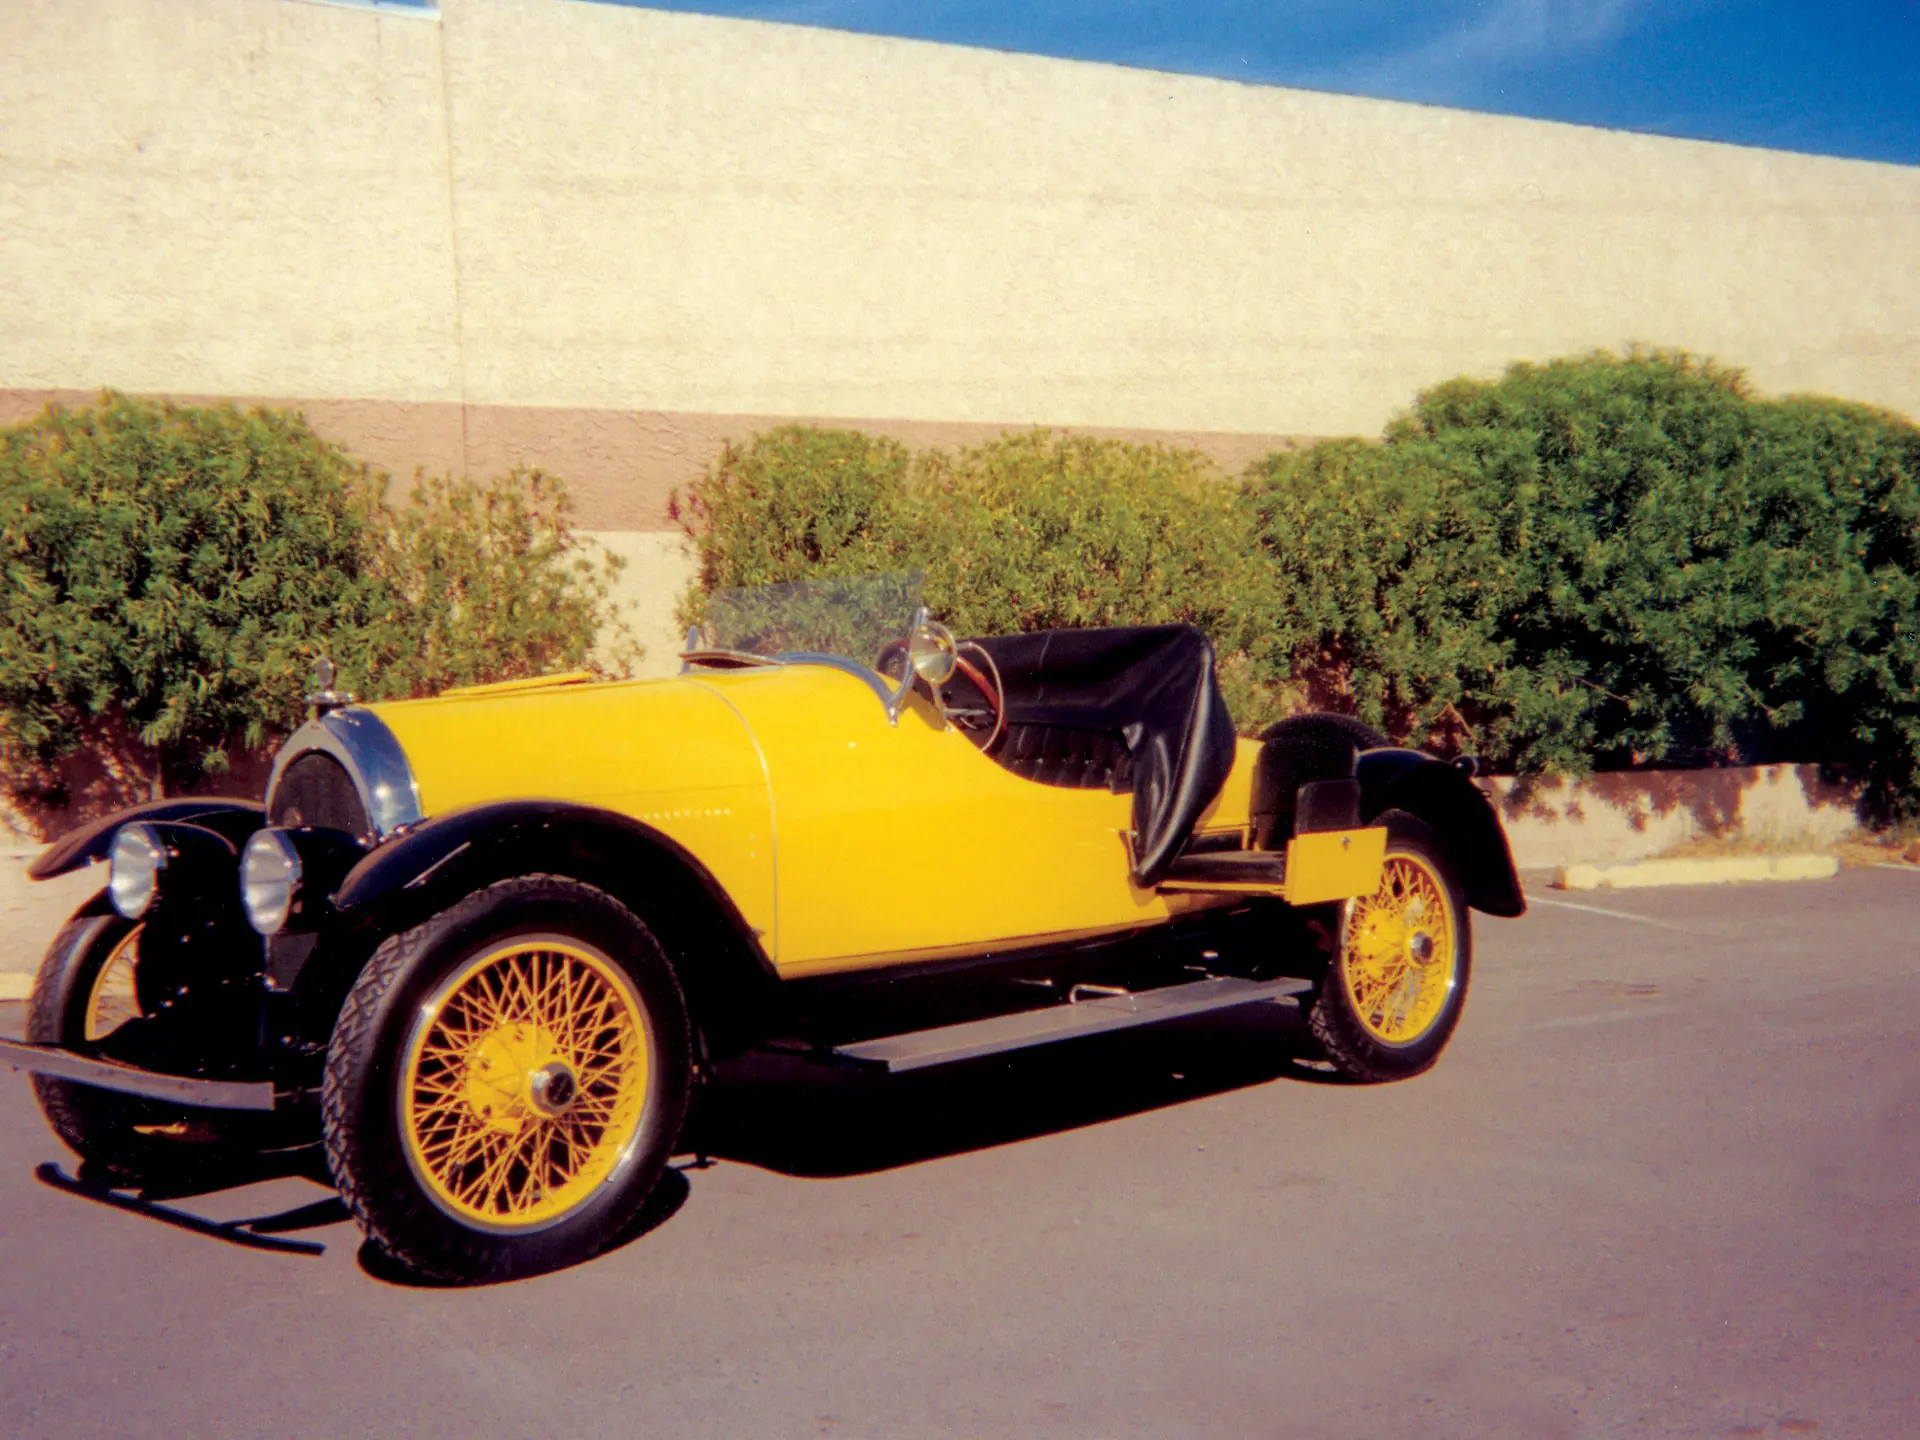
133 870
269 874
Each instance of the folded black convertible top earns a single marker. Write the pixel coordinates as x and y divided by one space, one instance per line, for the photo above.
1152 687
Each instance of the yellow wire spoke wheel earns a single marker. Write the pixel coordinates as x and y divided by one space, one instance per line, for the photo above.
113 998
1399 967
526 1082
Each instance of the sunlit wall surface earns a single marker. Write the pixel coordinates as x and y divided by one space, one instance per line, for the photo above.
600 238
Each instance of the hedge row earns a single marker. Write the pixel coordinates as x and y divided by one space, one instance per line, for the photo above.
1600 562
171 573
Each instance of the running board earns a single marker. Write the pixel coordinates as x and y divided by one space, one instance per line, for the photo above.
1101 1010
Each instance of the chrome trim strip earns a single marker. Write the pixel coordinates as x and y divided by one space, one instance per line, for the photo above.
362 743
740 660
109 1075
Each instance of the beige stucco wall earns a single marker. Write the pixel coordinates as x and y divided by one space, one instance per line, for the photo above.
659 568
550 224
695 214
224 196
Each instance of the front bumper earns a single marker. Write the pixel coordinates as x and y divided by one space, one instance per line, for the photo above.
58 1064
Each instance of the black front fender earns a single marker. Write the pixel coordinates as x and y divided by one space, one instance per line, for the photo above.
718 956
229 817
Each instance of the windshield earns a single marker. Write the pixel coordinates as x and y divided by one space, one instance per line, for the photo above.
855 617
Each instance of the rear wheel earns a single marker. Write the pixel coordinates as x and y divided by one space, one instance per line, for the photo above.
1397 979
506 1081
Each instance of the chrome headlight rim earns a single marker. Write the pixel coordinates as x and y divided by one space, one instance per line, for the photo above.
134 865
269 880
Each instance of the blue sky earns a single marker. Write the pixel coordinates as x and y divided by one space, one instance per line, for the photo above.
1836 78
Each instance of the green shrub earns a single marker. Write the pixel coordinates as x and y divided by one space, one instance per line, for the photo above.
1614 561
1040 530
796 503
172 572
1608 561
1384 581
471 583
1026 532
1037 531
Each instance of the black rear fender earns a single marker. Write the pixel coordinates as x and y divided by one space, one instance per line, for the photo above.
1448 800
1311 766
725 972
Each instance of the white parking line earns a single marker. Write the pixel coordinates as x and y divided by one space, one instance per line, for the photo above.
1598 910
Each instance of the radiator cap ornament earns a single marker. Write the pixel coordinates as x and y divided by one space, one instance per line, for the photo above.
323 697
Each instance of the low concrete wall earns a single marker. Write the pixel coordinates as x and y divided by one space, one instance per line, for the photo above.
1631 816
660 566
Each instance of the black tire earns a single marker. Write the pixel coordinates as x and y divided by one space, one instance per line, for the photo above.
1358 1033
1323 727
376 1110
131 1137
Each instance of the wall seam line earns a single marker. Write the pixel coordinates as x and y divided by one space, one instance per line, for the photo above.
453 254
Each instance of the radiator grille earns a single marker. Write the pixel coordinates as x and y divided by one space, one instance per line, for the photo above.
316 790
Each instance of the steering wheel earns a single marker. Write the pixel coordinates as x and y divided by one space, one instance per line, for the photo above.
984 677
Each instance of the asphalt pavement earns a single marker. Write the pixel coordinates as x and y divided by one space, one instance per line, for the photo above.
1665 1181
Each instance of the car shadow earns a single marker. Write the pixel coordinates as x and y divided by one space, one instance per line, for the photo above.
156 1199
662 1204
790 1115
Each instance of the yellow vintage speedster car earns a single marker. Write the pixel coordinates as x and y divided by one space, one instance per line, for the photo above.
479 945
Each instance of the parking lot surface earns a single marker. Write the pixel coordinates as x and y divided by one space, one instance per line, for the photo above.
1665 1181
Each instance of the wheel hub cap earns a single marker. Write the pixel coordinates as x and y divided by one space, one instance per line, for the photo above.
552 1088
509 1076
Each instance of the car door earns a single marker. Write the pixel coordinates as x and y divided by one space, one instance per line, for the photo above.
898 841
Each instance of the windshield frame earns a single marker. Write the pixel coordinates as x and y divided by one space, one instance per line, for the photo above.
837 605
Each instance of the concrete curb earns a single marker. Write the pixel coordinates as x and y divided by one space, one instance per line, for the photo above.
1726 870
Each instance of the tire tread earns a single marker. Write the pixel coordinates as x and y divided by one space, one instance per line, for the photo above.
376 1186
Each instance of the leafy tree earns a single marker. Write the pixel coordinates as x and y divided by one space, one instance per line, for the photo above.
1623 560
172 572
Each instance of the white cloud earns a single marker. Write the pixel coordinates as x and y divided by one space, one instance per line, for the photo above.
1463 62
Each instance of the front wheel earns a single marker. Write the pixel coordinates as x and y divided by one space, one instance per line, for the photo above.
506 1081
1397 979
84 992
